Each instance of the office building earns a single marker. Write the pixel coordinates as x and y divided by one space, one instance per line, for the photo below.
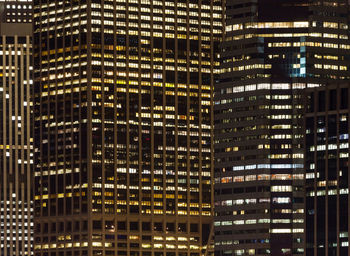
16 143
272 51
327 170
123 126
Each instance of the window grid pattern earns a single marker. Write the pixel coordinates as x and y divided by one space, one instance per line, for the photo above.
136 168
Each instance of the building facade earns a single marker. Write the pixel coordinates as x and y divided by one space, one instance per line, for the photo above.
271 52
327 170
123 126
16 143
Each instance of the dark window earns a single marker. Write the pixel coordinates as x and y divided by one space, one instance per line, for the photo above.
158 226
332 99
194 227
146 226
170 227
121 225
344 98
182 227
321 101
134 226
97 224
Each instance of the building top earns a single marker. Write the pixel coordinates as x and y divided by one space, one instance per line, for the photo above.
15 17
16 11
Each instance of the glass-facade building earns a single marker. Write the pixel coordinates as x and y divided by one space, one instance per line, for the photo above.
123 126
16 143
327 170
272 51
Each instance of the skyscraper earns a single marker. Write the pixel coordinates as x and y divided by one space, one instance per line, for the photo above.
16 143
272 50
123 126
327 170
